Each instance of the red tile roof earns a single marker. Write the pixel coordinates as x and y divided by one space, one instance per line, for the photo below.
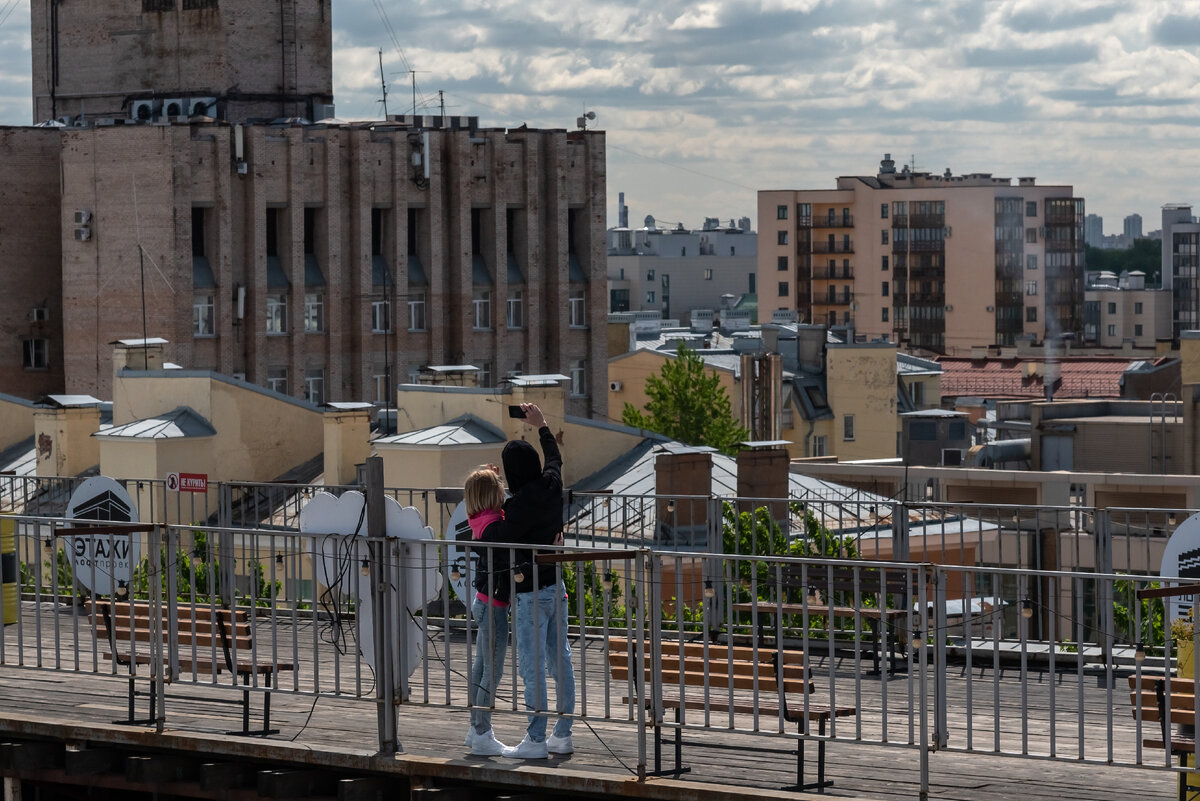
1079 377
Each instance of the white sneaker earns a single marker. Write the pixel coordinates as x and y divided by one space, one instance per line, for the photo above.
528 749
470 738
486 744
560 745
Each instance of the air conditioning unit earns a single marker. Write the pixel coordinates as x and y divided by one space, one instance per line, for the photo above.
174 107
202 107
949 307
1042 232
615 386
946 232
83 234
952 457
39 314
83 217
990 309
142 110
323 111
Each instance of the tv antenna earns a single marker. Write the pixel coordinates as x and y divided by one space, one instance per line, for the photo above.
382 83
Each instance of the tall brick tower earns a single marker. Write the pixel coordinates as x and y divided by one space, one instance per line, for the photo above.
236 60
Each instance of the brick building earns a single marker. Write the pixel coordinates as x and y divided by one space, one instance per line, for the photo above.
236 60
327 261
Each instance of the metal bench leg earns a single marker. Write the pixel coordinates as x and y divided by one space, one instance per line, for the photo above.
679 769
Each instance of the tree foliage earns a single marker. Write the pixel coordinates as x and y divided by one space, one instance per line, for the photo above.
687 403
1145 255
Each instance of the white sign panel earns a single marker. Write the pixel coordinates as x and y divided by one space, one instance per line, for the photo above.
1181 560
343 550
103 562
458 533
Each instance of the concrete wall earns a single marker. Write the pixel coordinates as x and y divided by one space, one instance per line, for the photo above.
861 381
65 445
16 420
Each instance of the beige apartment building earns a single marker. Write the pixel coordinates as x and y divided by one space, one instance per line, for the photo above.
940 263
1120 311
328 261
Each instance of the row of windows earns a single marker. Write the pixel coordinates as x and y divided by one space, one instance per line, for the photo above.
204 312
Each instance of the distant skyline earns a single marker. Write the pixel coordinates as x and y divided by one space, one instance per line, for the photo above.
705 103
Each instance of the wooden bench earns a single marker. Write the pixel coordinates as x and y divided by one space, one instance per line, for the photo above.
1148 693
831 590
762 681
209 639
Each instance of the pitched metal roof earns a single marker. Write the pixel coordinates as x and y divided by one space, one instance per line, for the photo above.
180 423
1079 377
465 430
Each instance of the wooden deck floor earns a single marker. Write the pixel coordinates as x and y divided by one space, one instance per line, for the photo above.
606 747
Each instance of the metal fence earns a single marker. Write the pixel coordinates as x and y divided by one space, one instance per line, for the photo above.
935 623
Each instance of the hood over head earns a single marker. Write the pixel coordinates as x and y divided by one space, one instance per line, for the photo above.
522 464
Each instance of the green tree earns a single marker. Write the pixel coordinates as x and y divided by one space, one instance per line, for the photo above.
1144 255
688 404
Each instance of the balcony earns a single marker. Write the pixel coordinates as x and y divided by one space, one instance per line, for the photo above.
899 220
927 246
836 247
845 299
804 222
836 273
837 221
927 221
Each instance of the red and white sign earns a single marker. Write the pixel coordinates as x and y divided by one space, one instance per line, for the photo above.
187 482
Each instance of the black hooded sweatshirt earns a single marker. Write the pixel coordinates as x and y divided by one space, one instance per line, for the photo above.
534 513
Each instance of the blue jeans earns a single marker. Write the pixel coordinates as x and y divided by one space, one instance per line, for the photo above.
543 649
491 644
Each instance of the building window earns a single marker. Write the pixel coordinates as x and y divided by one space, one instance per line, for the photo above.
381 317
782 262
918 393
883 288
1137 329
277 380
883 210
579 378
314 312
848 428
485 374
1030 208
35 353
649 275
1112 308
277 313
314 385
203 314
482 303
1031 262
884 263
708 274
1137 307
618 300
650 296
1112 330
884 314
577 309
683 251
1031 314
381 382
1031 235
750 283
781 212
416 311
883 236
781 238
820 444
783 289
514 318
1031 287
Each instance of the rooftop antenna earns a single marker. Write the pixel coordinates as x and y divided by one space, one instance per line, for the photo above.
413 73
382 83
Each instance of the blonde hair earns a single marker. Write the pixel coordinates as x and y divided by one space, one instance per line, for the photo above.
483 490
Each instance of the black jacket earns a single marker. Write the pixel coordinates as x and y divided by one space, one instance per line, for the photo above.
534 513
497 560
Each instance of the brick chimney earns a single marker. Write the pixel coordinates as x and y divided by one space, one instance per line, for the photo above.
347 428
138 354
682 521
763 473
63 430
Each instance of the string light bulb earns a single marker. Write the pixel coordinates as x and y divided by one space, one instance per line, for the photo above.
917 640
1139 653
122 590
1026 609
671 507
48 543
455 573
518 575
197 558
279 559
366 567
709 592
607 582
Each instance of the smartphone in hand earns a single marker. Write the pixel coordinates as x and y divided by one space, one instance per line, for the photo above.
516 411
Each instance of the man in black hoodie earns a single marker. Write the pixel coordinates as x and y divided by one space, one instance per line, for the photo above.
534 515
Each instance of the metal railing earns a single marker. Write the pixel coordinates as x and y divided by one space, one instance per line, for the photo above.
994 599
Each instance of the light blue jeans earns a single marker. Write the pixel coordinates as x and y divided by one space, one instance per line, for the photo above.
543 649
491 645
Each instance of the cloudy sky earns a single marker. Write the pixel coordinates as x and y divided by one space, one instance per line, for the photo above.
706 102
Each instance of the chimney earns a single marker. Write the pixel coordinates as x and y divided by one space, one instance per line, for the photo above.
63 430
137 354
347 428
762 473
682 521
